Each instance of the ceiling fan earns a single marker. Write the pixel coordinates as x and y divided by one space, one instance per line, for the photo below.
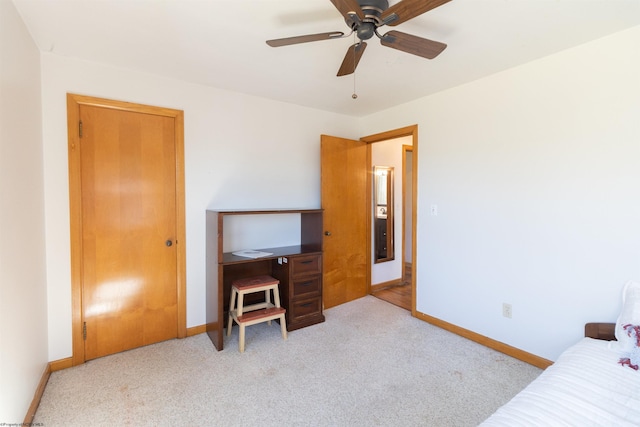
364 17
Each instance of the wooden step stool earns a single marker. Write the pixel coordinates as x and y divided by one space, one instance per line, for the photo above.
262 312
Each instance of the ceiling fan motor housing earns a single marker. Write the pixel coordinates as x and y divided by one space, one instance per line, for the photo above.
372 9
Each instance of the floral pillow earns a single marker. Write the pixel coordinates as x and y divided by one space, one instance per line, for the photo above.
628 325
631 354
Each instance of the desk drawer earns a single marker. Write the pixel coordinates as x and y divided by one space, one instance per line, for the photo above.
306 285
305 307
308 264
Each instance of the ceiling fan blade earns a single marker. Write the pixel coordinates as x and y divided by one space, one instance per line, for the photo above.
408 9
351 59
412 44
347 7
305 39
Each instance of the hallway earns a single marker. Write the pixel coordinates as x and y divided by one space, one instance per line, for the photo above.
400 294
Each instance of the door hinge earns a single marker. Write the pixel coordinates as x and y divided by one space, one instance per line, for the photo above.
84 331
80 129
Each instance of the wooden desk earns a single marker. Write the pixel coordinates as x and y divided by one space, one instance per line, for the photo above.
298 268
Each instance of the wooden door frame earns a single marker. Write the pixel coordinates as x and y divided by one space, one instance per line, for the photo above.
406 149
392 134
75 210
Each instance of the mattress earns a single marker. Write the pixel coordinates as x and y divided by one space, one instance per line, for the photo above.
586 386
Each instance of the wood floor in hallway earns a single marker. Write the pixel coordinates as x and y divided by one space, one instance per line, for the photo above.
397 295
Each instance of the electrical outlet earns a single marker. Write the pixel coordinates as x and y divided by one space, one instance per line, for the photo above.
506 310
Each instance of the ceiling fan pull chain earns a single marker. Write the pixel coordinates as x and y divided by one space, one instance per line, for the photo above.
354 95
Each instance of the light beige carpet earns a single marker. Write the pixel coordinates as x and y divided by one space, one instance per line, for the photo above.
369 364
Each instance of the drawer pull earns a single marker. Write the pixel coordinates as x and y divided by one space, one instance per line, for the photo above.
309 261
306 305
306 283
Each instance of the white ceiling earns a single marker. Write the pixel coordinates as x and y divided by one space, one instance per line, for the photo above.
221 43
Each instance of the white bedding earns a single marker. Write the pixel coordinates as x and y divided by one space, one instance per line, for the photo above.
586 386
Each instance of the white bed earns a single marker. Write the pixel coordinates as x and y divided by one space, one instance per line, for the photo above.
595 382
586 386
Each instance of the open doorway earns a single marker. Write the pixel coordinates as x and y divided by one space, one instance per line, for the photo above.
393 277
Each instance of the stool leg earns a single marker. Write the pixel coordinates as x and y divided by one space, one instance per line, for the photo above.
239 312
241 338
283 323
231 307
267 300
283 327
240 308
276 296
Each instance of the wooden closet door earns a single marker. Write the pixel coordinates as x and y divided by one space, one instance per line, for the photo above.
128 202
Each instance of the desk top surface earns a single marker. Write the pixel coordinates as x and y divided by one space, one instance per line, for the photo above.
230 258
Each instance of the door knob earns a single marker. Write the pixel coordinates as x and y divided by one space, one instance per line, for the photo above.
168 242
327 233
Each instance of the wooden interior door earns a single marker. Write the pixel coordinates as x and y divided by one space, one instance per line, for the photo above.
129 200
345 185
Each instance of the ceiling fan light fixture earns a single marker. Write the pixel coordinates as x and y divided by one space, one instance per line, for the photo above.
366 30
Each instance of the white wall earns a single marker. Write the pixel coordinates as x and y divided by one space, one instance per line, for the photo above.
240 152
23 308
534 171
536 174
389 153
